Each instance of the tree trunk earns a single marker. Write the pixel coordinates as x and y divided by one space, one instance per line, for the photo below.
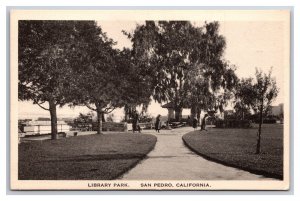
52 109
178 114
103 117
125 113
126 116
259 129
99 121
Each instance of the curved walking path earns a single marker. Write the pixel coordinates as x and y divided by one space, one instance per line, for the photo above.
172 160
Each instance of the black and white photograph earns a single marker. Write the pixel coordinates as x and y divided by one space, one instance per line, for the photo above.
150 100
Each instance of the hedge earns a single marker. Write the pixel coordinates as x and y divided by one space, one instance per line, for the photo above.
233 123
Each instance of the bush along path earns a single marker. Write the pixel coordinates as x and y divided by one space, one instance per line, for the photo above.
236 148
90 157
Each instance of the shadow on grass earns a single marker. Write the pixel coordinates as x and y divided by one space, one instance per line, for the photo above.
97 157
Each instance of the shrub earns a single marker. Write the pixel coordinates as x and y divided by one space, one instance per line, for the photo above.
267 121
233 123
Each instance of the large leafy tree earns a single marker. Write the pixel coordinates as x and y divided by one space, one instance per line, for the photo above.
161 49
45 49
98 85
244 97
218 74
136 84
202 96
176 52
106 78
199 96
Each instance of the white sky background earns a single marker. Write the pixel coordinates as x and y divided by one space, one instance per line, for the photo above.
249 45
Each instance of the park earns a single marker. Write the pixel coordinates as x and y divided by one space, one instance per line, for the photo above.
233 130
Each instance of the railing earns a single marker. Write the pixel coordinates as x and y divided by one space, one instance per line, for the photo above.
44 129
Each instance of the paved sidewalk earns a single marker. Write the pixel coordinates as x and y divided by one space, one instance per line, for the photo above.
172 160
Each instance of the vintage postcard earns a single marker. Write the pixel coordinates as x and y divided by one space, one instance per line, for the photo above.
150 99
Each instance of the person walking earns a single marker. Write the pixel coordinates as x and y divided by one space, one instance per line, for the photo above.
138 128
203 123
135 123
195 122
157 123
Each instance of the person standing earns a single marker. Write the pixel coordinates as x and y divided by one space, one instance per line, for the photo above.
189 121
203 123
195 122
157 123
135 121
138 128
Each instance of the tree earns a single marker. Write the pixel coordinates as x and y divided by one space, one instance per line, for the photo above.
199 96
244 96
171 51
218 73
43 63
266 91
161 48
106 78
136 84
85 118
258 95
98 85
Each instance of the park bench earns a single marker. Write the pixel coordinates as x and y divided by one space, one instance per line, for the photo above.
177 124
149 125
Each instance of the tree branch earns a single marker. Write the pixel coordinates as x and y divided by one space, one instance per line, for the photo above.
109 110
91 108
39 104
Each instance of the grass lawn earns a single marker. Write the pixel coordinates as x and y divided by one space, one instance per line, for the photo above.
236 148
91 157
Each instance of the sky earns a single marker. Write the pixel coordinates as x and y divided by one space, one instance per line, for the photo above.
249 45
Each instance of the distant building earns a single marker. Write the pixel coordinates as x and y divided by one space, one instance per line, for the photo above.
171 111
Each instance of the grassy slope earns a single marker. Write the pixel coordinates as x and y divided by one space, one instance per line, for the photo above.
236 147
92 157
